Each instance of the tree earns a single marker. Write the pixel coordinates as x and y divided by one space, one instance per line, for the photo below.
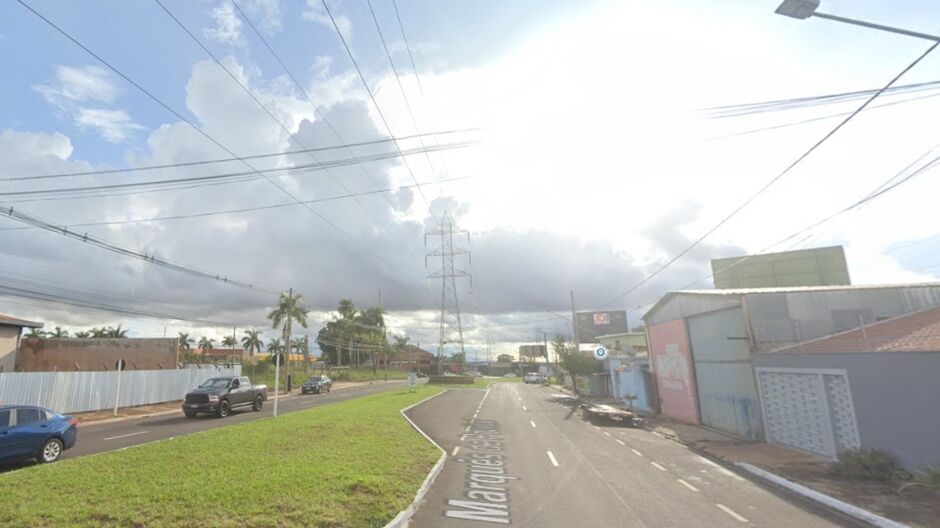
115 332
504 358
252 342
58 332
98 333
290 307
186 342
297 345
229 341
36 333
83 334
275 346
351 329
576 363
206 344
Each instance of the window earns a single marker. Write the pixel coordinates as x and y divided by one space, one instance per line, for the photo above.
29 416
4 419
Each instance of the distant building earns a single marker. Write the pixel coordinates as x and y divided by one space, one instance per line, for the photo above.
625 343
11 329
702 342
874 387
410 357
805 267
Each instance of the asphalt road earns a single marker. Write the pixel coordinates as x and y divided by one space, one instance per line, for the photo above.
516 457
98 438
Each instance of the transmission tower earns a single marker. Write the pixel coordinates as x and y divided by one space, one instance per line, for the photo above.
451 329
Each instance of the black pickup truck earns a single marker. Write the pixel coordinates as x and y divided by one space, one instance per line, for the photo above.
220 395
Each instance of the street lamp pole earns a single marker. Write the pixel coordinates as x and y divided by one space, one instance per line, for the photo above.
803 9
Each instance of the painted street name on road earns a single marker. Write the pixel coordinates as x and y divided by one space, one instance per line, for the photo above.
486 492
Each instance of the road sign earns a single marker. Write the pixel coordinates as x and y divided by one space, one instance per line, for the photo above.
600 352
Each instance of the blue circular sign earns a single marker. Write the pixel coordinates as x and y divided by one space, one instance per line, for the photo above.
600 352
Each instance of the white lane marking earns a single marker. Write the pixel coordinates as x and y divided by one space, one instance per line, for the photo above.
686 484
126 435
637 453
596 427
552 458
531 422
523 408
731 512
454 452
657 466
619 441
606 433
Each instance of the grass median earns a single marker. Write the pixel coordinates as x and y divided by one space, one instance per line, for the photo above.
354 463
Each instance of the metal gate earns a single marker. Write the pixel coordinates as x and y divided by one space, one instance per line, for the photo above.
809 409
727 393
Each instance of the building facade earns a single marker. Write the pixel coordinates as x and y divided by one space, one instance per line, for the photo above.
11 328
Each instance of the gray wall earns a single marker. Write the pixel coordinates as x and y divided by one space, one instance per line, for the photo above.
896 397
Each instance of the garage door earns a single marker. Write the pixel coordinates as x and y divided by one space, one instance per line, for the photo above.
808 409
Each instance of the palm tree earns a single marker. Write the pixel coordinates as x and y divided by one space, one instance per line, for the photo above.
58 332
116 332
252 342
36 333
347 309
275 347
229 341
297 346
185 341
374 317
98 333
290 308
206 344
83 334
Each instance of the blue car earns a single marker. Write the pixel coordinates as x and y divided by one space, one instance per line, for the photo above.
34 432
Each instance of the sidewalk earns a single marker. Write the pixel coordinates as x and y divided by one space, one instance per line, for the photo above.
145 411
916 507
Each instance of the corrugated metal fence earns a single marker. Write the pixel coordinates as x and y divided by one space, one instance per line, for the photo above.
69 392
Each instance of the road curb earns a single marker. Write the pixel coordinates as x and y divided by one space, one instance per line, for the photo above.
821 498
404 516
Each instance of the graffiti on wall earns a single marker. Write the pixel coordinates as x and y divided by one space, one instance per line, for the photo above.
669 350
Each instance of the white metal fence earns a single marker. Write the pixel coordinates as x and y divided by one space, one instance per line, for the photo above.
69 392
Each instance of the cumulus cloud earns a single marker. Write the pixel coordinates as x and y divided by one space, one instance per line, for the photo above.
316 13
265 14
227 26
83 93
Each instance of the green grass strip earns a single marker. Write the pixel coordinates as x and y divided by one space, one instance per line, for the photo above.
353 463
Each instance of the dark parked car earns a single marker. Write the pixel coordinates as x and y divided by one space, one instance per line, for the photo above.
220 395
34 432
317 384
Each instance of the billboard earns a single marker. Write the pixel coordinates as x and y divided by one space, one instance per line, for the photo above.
593 324
824 266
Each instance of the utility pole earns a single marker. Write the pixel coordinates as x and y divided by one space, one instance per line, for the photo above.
451 332
287 331
234 342
545 341
574 324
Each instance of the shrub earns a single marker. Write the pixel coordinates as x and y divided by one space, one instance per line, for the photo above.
867 464
928 478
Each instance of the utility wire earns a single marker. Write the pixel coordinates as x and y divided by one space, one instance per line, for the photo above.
203 132
371 95
228 160
773 180
229 211
401 87
283 127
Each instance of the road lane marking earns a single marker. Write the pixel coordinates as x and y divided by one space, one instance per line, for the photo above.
619 441
636 452
523 408
657 466
552 458
454 452
686 484
606 433
731 512
126 435
531 422
596 427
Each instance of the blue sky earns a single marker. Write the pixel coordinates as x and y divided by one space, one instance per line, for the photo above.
592 143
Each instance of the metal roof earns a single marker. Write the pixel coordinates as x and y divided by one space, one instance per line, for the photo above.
739 292
7 320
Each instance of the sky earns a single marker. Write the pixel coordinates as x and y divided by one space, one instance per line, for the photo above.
583 160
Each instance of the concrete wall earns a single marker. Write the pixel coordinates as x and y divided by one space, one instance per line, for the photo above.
70 354
8 335
895 395
672 364
630 381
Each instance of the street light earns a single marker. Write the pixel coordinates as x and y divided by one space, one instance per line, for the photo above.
803 9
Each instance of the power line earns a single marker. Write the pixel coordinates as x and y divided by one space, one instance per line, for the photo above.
773 180
222 178
34 221
202 132
346 146
230 211
371 95
401 87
